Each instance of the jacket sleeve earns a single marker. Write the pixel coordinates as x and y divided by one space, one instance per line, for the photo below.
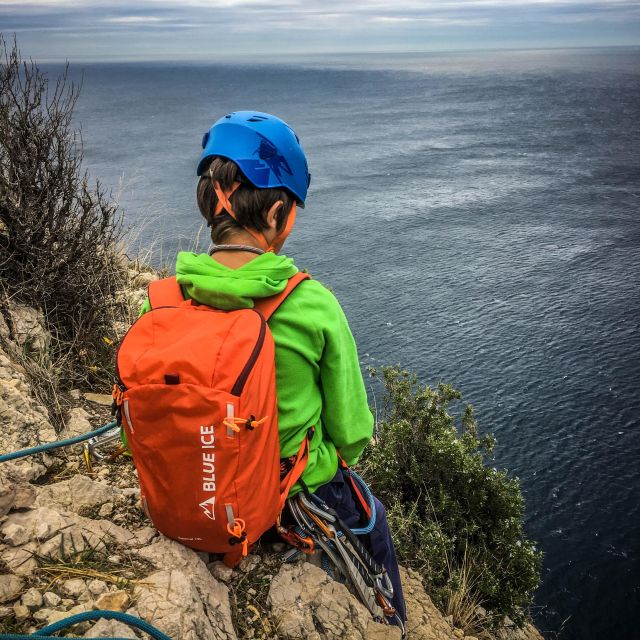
346 416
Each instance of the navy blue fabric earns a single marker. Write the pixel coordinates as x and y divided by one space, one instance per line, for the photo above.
338 495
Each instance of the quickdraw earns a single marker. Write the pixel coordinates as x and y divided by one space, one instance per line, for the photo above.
346 553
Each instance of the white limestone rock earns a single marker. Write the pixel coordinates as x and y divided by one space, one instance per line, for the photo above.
21 560
51 599
10 587
32 599
171 601
303 599
37 524
118 600
26 328
173 557
77 423
110 629
96 587
77 493
424 621
14 534
25 422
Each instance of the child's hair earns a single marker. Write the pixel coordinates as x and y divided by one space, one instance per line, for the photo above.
249 203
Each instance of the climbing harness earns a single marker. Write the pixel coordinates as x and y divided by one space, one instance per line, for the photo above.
46 633
317 526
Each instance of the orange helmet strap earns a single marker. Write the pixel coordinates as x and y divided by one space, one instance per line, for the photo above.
224 204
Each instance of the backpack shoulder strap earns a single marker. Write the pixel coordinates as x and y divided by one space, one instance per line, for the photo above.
267 306
165 293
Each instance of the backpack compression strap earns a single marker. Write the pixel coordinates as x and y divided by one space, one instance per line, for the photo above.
165 293
267 306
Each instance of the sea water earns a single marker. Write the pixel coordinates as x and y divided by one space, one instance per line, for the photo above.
477 216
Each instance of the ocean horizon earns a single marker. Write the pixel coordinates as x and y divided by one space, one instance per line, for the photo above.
476 214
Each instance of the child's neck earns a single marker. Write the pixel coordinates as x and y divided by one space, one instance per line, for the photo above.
234 258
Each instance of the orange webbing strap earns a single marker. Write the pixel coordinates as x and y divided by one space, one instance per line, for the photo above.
165 293
224 204
267 306
354 486
293 476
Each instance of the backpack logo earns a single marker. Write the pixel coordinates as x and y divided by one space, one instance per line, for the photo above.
208 441
208 506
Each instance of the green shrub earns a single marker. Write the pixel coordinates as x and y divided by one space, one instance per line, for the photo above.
455 519
59 234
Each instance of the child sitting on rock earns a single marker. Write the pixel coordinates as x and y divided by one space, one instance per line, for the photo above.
252 177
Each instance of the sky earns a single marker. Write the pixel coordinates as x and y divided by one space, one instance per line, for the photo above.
212 29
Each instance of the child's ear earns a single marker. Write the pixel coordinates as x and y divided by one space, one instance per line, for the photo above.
272 214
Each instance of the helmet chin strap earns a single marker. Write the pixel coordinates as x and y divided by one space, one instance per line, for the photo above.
224 204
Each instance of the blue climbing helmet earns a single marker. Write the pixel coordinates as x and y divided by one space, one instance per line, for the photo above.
265 148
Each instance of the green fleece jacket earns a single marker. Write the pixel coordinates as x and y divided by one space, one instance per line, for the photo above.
318 377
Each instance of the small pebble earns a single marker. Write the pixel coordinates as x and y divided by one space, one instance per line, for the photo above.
249 563
106 509
51 599
15 535
113 601
32 599
41 615
96 587
74 587
20 611
220 571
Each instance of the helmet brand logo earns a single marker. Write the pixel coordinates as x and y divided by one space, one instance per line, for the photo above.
268 153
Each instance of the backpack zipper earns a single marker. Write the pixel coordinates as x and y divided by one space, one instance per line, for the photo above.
238 387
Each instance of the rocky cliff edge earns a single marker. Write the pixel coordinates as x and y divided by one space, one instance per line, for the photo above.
72 540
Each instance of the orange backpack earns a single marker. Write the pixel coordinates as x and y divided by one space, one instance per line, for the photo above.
196 393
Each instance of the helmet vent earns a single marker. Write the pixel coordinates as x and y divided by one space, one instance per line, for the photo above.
256 119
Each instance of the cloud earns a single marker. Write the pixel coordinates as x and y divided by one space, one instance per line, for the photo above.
364 24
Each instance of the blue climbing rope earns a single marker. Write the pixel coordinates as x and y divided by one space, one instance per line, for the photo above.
362 531
23 453
372 505
132 621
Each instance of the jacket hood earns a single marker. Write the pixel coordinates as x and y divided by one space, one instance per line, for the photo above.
209 282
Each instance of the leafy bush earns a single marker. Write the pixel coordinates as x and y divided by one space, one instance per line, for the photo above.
58 233
454 519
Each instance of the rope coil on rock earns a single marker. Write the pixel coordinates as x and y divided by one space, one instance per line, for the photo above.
49 446
132 621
